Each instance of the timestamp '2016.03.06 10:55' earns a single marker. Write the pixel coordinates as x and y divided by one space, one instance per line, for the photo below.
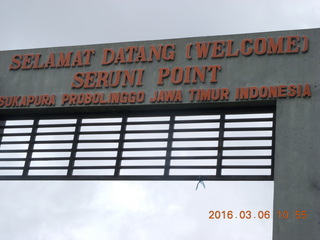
256 215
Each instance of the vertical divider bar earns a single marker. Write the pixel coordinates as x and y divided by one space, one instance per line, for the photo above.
220 144
2 126
169 146
273 142
30 147
121 146
74 147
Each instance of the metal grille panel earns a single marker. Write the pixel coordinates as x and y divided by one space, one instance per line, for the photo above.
203 145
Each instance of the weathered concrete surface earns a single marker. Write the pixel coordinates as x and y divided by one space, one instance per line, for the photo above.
297 170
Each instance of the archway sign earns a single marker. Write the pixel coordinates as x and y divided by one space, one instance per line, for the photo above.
236 107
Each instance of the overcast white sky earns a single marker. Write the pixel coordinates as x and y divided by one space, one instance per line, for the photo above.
137 210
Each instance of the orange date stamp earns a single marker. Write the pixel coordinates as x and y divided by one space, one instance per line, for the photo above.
256 214
239 215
